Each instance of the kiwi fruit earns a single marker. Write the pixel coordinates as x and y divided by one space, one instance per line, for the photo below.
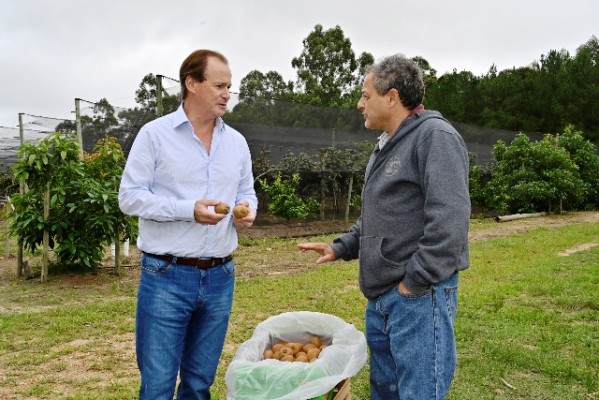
312 353
222 208
308 346
296 347
294 351
240 211
268 354
286 351
316 340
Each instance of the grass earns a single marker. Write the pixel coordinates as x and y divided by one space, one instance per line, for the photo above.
527 325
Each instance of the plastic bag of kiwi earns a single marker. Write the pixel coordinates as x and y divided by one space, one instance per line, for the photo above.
295 355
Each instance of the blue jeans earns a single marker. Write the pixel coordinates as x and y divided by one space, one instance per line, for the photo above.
181 323
412 343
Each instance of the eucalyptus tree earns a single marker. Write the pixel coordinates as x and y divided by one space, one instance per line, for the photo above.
327 69
262 99
132 119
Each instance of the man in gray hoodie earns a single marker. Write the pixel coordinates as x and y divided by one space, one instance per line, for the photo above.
411 238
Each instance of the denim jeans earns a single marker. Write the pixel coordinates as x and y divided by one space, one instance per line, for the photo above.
412 343
181 323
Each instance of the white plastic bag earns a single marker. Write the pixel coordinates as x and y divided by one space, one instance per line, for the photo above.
249 377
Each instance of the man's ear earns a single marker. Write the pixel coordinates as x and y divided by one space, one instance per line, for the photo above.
190 83
394 97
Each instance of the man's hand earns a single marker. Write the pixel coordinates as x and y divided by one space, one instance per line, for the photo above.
403 289
204 215
325 250
246 221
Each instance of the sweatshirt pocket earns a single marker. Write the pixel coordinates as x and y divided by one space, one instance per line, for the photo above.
377 268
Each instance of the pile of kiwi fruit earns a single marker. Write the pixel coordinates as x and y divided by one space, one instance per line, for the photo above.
295 351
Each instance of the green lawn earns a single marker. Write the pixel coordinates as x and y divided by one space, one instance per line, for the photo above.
527 325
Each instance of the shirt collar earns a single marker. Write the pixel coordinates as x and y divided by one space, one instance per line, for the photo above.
180 118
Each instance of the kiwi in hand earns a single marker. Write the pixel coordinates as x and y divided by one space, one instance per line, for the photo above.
240 211
222 208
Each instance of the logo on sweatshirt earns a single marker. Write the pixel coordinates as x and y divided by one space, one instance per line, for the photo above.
393 165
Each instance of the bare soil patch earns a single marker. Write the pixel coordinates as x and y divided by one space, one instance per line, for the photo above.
576 249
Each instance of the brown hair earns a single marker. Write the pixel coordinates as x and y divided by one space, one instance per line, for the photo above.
195 66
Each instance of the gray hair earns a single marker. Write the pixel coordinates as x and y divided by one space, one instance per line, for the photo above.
400 73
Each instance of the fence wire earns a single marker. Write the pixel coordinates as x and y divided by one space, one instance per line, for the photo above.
280 127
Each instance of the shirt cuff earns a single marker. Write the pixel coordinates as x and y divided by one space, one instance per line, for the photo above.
184 210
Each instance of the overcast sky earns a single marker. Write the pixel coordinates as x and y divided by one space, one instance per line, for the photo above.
53 51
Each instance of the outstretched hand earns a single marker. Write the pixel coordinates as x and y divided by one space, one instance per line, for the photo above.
325 250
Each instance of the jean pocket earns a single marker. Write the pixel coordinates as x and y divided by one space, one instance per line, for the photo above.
154 265
229 268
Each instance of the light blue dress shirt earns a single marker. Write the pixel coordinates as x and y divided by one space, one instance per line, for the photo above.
168 169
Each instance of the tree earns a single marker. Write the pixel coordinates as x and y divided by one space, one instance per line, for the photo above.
327 69
584 154
456 96
530 177
583 94
262 99
257 86
84 213
103 122
328 80
428 72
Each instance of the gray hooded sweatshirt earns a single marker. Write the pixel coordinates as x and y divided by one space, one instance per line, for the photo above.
415 209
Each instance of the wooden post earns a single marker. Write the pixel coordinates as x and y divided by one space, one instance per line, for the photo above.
21 191
504 218
46 237
7 245
349 190
78 124
159 106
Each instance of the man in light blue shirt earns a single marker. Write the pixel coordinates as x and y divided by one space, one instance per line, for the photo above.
180 167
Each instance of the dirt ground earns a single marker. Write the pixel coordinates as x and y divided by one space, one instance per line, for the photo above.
268 228
306 229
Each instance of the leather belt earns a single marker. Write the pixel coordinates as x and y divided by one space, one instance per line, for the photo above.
201 263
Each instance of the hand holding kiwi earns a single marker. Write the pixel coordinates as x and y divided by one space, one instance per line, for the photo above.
240 211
